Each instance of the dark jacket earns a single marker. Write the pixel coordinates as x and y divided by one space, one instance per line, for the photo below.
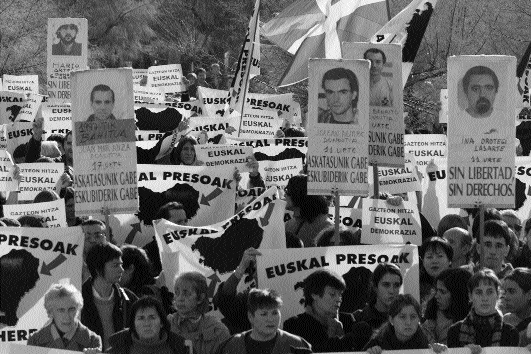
33 152
123 300
371 316
121 342
285 340
307 327
509 336
387 340
83 338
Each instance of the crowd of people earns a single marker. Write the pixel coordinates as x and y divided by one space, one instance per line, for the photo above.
475 290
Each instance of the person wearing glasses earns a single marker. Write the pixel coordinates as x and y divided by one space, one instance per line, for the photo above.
94 231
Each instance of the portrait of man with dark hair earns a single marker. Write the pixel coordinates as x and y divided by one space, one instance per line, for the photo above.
66 33
341 91
102 103
480 85
381 88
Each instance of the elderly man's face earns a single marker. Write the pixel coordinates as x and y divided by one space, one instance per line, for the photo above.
102 104
481 93
67 34
339 95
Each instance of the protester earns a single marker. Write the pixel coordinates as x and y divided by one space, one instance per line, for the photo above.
310 212
215 77
450 221
483 326
34 145
45 196
346 237
32 221
516 298
384 286
137 276
403 330
321 323
461 243
449 305
264 336
148 331
63 303
524 257
107 305
191 319
436 254
231 303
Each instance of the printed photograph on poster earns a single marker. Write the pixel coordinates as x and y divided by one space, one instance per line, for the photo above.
67 37
338 126
102 95
339 87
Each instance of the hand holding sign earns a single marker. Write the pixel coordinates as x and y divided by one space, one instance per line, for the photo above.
37 128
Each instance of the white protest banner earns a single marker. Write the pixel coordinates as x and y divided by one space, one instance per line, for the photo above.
245 196
223 155
14 348
139 75
396 180
259 124
104 142
128 229
7 169
146 139
67 51
522 185
386 131
25 84
53 212
385 223
207 193
443 113
297 115
37 177
166 78
217 249
285 271
338 134
211 130
278 173
57 117
274 149
212 101
145 94
31 260
30 107
157 117
187 109
3 134
488 350
10 105
348 217
425 147
283 104
17 134
481 126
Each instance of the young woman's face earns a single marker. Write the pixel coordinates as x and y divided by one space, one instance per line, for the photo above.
186 298
514 299
405 323
387 290
435 261
188 154
442 296
147 323
484 298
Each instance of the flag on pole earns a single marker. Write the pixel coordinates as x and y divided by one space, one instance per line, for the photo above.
244 70
316 28
407 28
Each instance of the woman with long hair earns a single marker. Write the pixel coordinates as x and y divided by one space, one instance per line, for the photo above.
449 305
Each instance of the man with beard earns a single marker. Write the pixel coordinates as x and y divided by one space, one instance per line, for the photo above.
481 86
67 41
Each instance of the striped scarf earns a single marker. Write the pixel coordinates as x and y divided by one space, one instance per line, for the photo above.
467 333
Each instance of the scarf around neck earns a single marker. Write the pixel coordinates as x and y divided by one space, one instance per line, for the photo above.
473 322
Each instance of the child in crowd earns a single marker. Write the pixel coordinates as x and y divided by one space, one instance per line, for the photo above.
265 336
402 330
191 319
483 326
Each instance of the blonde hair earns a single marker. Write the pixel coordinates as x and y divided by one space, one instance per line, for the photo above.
58 291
